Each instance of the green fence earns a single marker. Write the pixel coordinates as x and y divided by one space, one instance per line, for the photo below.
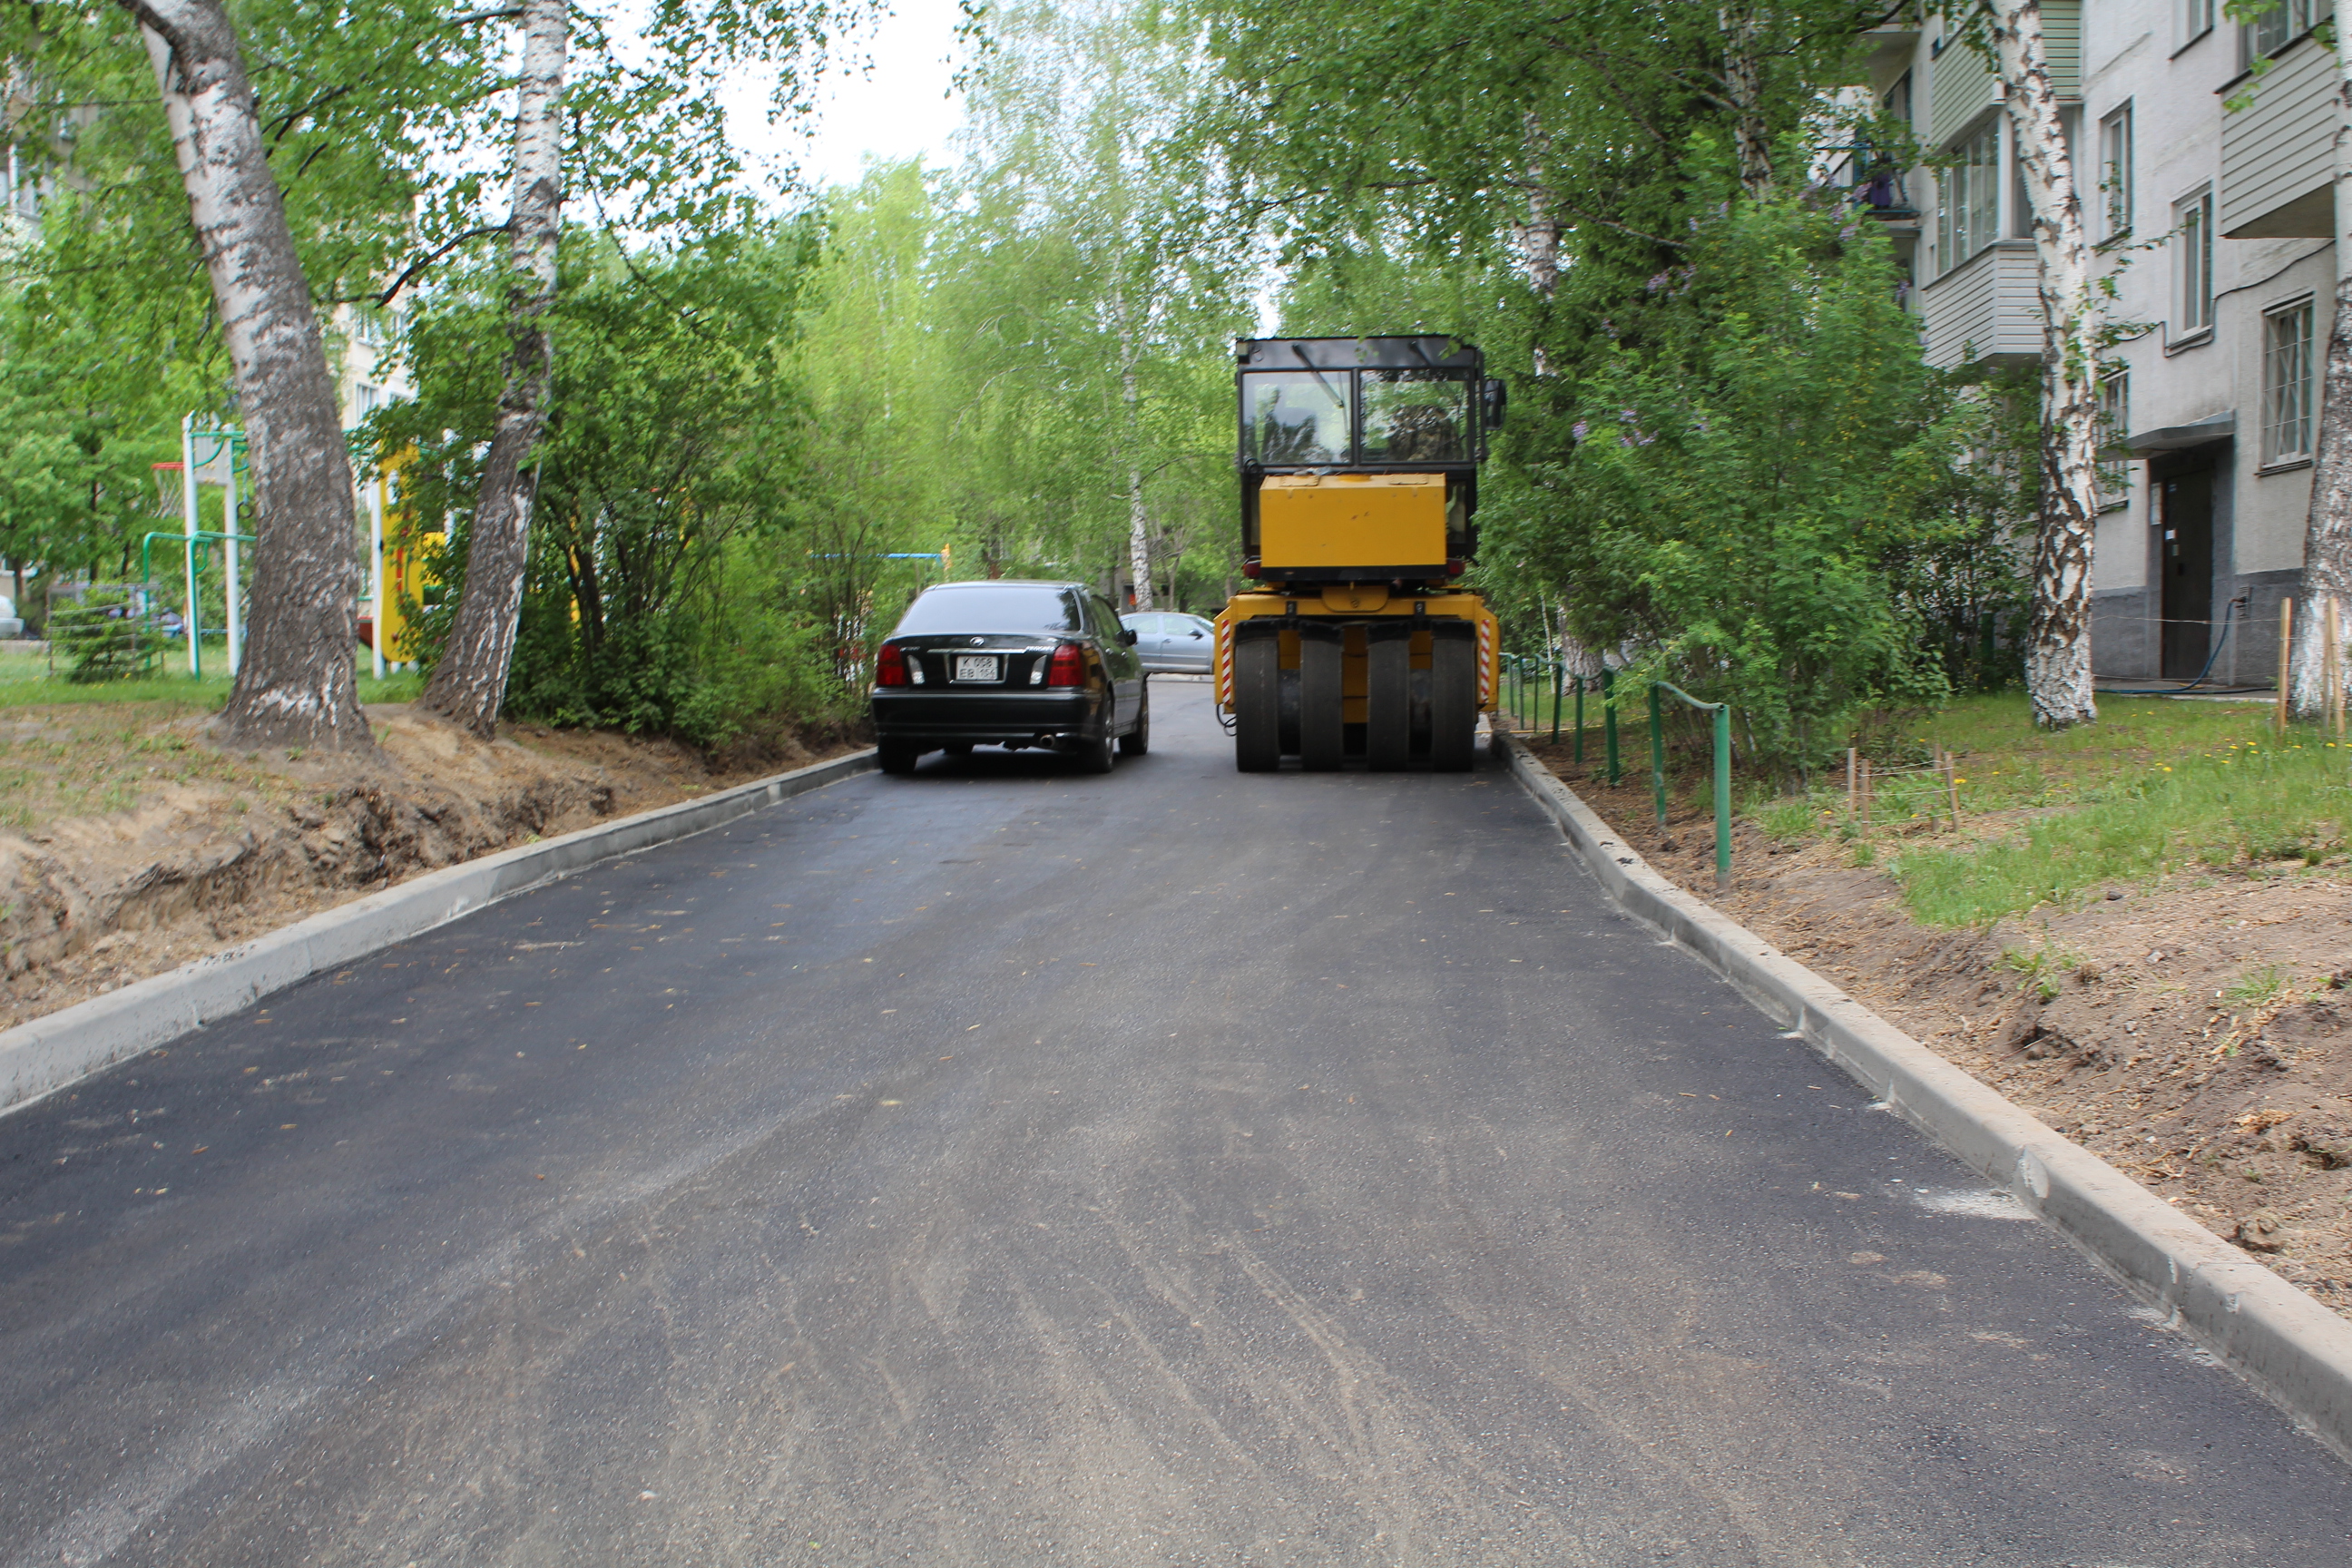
1537 689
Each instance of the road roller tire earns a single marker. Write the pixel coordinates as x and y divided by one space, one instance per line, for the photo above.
1388 703
1453 703
1257 705
1322 733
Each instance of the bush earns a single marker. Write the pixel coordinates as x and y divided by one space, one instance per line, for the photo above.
106 635
1756 487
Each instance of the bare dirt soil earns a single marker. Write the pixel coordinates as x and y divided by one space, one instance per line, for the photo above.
2130 1024
129 845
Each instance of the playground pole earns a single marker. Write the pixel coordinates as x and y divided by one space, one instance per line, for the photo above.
376 567
229 526
188 516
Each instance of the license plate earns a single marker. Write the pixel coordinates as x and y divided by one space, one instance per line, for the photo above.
979 667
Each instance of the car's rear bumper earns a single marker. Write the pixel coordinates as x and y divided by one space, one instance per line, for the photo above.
985 718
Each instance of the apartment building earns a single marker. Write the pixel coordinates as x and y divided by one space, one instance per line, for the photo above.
2205 148
363 345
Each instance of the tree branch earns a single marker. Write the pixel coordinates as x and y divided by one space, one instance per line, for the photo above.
415 268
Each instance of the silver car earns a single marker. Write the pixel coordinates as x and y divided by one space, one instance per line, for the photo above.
1173 643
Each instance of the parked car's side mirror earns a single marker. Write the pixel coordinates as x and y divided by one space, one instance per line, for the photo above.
1198 633
1127 636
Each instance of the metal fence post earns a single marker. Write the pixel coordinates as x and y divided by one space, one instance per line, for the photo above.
1723 798
1580 721
1559 680
1657 756
1609 723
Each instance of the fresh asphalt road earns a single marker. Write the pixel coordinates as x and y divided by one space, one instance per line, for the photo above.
1004 1166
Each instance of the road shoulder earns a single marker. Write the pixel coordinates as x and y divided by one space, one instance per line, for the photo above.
37 1058
2290 1348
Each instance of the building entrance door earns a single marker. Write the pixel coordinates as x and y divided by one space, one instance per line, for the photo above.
2187 574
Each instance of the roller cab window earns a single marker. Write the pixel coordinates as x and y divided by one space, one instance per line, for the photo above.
1416 417
1296 419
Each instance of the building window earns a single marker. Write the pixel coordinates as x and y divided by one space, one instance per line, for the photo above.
1969 214
368 399
2287 383
2275 28
2021 204
2192 238
2116 173
2114 424
2196 20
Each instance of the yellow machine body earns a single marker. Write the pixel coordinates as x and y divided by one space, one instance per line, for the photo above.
1312 522
1356 606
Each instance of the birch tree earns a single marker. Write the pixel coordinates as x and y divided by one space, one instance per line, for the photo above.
470 681
1080 286
2328 532
296 685
2058 648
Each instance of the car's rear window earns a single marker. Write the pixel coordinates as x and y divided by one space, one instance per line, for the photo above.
1009 608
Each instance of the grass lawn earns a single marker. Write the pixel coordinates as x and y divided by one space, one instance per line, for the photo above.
2155 788
25 682
77 750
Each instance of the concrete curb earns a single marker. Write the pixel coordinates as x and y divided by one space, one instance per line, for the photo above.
44 1056
2294 1351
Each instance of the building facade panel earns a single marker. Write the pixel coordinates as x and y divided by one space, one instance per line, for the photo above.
1985 309
1961 86
1963 83
2278 153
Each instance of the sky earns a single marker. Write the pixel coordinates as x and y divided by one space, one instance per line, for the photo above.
893 98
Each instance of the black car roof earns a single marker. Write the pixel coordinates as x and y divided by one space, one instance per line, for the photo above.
1005 582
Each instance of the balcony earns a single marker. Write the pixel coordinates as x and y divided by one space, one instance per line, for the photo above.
1873 185
1987 311
1961 83
2278 153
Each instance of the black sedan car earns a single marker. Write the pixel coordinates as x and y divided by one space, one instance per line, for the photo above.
1010 664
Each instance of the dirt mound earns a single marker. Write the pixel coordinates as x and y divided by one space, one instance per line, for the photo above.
214 854
2197 1034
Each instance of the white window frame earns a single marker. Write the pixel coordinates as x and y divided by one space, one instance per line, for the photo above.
2289 383
2196 18
2115 172
2192 271
2114 424
1968 198
2277 27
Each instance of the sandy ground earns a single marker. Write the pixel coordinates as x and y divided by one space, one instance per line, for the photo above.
2238 1108
136 848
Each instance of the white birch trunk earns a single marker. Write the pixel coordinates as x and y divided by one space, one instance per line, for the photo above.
296 685
1139 536
2328 531
1138 521
469 683
1539 236
1743 82
2058 653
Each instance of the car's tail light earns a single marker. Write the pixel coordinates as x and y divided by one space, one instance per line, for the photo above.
890 669
1067 667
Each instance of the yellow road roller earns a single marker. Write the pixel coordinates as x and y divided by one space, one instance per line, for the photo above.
1358 462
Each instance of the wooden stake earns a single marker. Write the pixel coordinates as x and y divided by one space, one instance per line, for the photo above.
1865 797
2331 683
2286 646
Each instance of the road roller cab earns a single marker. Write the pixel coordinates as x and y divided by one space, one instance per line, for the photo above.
1359 460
